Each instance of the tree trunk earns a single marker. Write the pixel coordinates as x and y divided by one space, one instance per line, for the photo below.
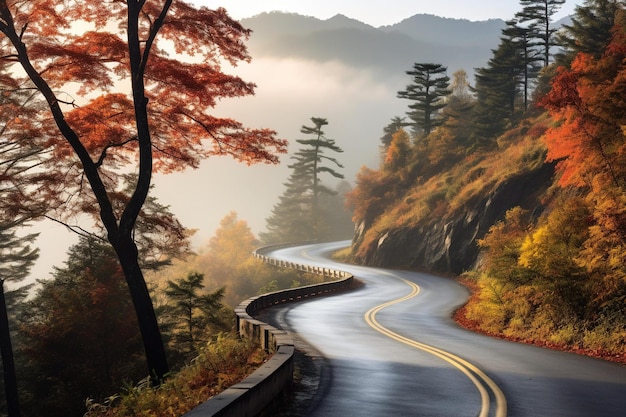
146 317
8 364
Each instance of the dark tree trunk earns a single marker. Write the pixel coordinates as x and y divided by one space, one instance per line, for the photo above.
146 317
8 364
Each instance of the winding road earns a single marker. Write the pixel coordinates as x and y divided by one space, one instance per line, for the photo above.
393 350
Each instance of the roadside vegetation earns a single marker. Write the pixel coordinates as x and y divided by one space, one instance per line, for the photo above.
78 329
552 272
219 365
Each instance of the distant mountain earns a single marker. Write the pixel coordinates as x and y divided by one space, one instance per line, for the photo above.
389 49
452 32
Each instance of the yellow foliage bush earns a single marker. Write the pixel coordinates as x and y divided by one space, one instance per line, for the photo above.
489 309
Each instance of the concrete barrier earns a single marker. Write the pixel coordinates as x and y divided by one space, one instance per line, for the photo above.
257 391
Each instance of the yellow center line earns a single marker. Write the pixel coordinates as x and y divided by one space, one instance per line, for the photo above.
470 370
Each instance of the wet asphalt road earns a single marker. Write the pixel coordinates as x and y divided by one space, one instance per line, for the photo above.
408 372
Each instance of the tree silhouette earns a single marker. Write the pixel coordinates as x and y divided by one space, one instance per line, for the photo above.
297 214
16 259
537 15
429 88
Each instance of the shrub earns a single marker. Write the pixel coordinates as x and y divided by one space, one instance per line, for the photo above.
220 364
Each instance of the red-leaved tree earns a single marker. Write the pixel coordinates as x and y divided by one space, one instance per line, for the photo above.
589 144
130 86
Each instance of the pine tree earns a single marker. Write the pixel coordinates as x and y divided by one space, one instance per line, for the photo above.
497 91
191 312
16 259
427 93
394 125
521 37
297 215
537 14
590 30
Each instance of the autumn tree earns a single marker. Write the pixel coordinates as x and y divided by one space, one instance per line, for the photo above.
398 153
148 74
26 189
588 145
376 190
550 254
79 333
297 215
394 125
429 88
502 246
226 260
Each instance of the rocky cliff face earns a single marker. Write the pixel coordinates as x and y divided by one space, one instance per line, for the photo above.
448 245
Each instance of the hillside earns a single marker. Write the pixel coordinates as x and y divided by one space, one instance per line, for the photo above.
527 203
435 224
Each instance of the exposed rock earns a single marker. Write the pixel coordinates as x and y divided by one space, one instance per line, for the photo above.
448 244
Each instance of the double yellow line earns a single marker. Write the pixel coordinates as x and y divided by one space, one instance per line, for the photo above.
482 382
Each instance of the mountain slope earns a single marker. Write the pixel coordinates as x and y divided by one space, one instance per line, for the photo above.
436 222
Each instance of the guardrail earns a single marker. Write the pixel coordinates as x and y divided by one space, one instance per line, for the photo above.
257 391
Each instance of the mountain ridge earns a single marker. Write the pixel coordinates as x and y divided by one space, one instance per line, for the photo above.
455 43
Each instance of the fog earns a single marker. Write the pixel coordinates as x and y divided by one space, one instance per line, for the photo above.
289 92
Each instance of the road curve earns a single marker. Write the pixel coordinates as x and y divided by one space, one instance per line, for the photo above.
394 350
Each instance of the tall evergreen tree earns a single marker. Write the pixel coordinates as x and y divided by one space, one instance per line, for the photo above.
427 93
521 37
538 15
297 215
590 30
22 197
458 111
497 92
16 259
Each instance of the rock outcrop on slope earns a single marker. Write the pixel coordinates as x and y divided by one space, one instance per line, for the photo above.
449 244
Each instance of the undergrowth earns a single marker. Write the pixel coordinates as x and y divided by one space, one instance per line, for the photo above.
522 315
221 364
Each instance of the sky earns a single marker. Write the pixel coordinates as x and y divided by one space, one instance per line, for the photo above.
379 13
